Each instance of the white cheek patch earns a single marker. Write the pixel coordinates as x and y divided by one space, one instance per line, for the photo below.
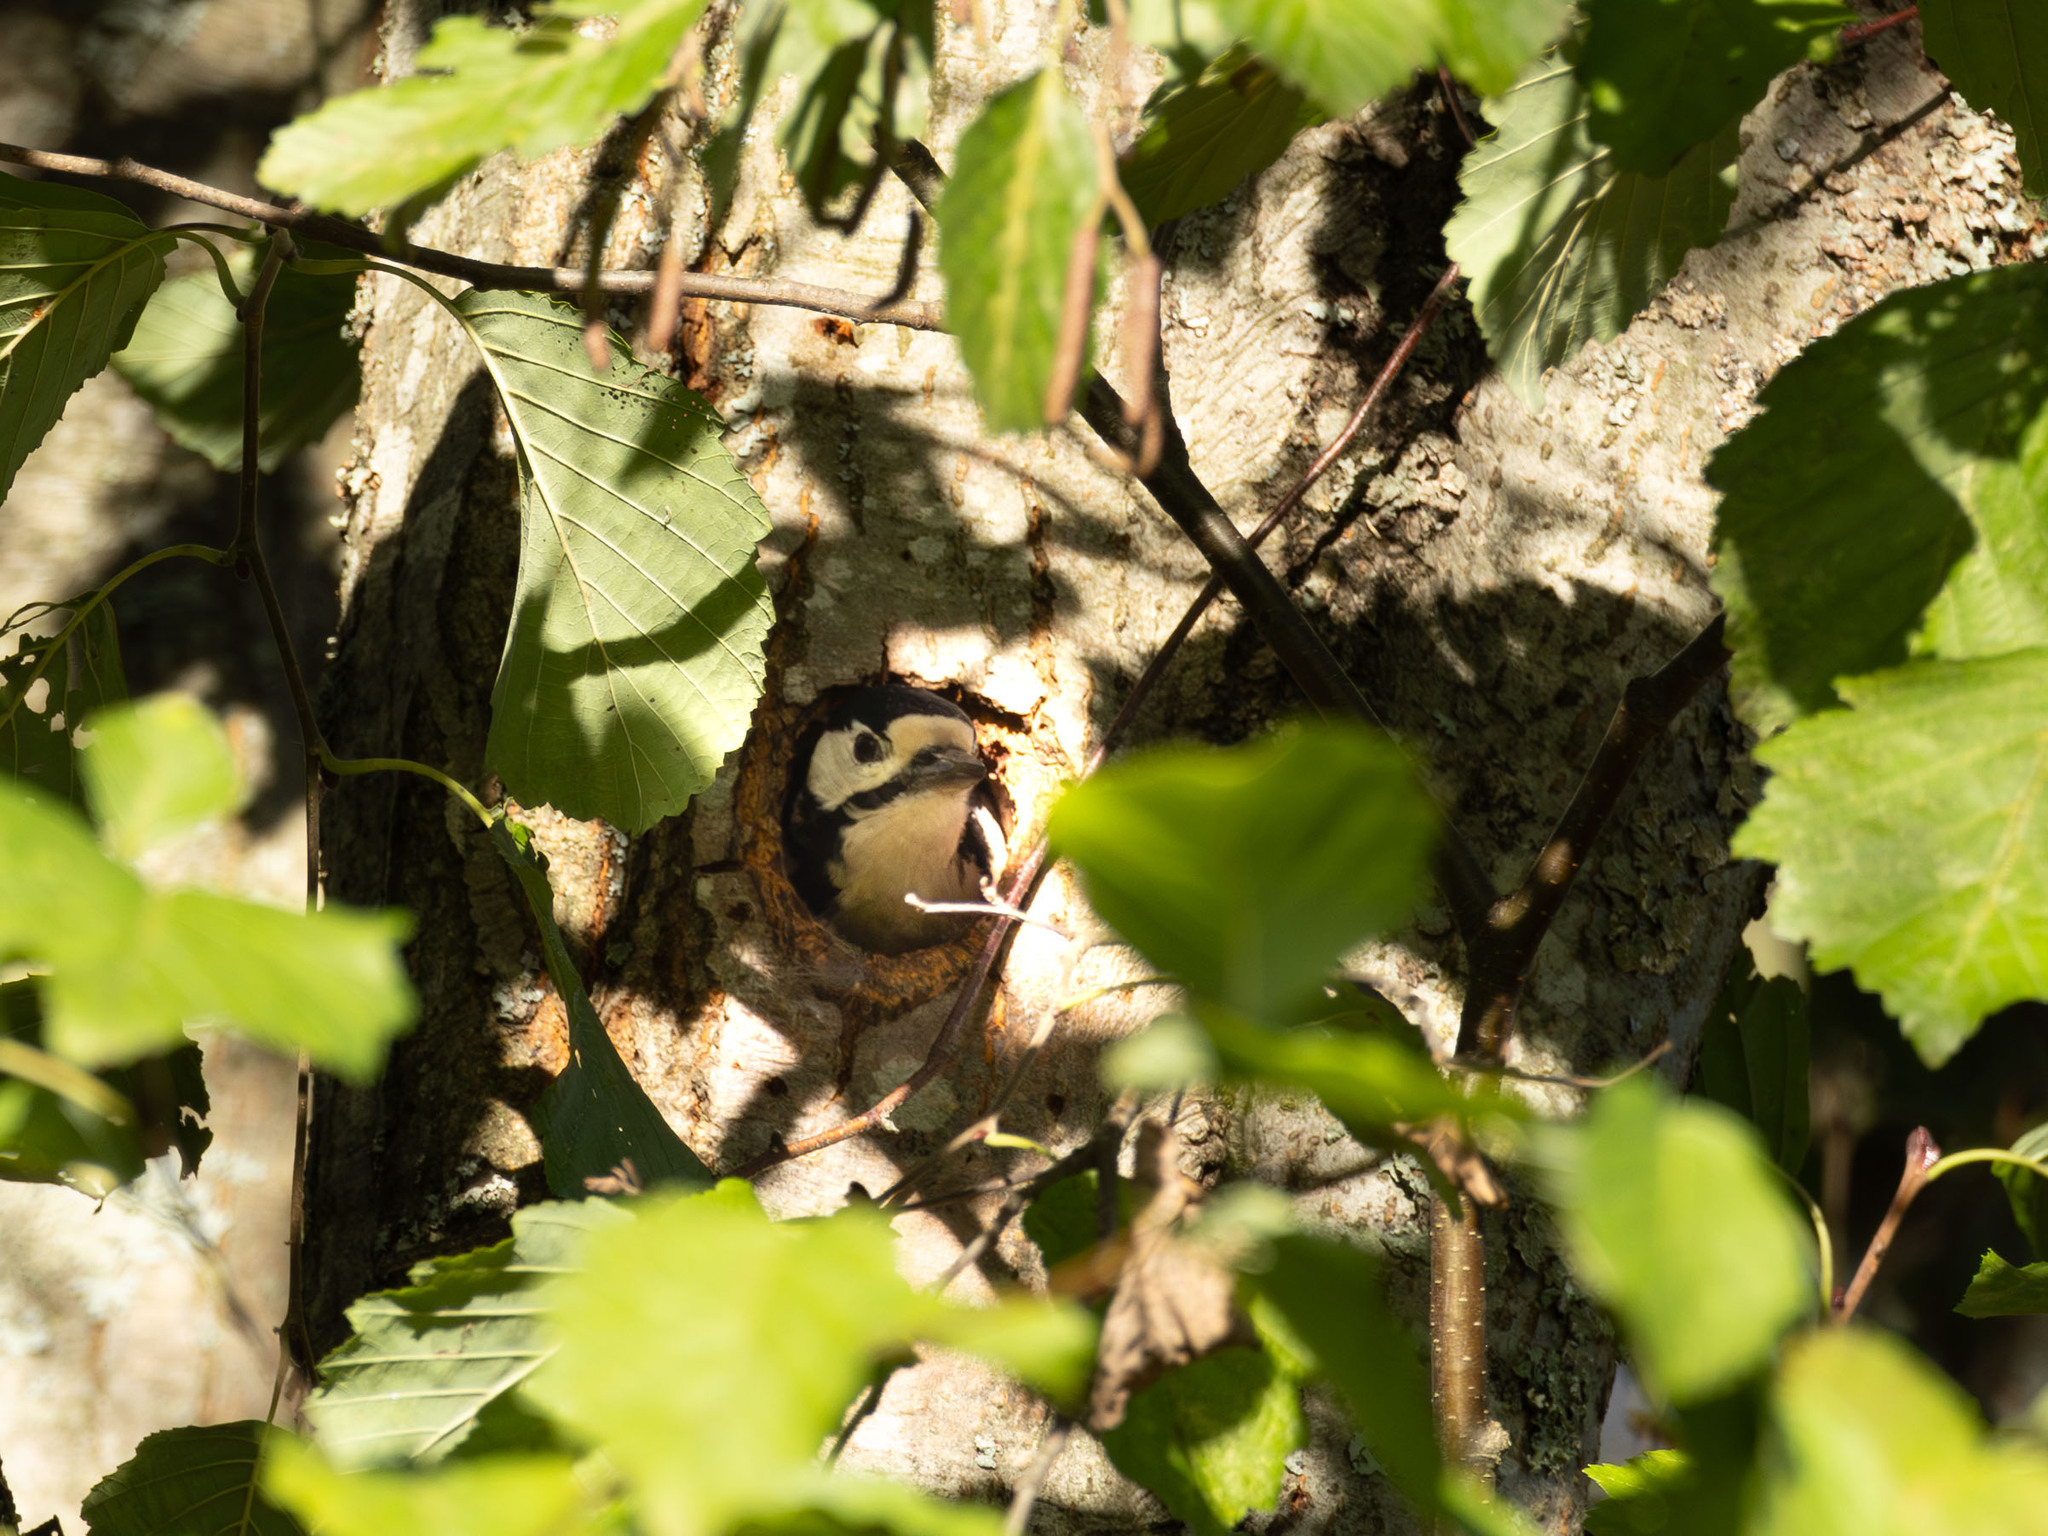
836 774
911 734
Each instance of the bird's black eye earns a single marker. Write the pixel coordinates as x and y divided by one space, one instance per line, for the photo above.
867 749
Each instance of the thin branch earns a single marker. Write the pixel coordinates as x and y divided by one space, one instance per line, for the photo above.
250 312
1032 1483
1506 944
1071 346
1921 1156
1457 1327
483 274
1848 37
1450 89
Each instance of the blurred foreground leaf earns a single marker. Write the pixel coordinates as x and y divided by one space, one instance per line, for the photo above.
1675 1220
1204 138
492 1496
719 1420
1248 872
129 967
1874 1441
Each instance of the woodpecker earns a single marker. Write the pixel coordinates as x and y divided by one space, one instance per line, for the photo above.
888 797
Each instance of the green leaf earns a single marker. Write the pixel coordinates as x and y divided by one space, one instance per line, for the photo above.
1996 597
1996 53
1753 1059
1023 186
1331 1298
1248 872
492 1496
129 968
1910 840
185 359
634 657
717 1418
1839 516
1347 55
1212 1438
1640 1493
593 1118
2000 1290
860 61
194 1481
1676 1221
1170 1052
1874 1441
75 269
1664 75
1560 244
38 744
156 769
1366 1081
426 1361
2027 1191
1203 139
95 1137
480 89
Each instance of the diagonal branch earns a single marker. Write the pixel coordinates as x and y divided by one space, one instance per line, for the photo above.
1514 927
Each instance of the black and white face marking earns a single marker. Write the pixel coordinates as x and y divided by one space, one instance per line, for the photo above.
891 801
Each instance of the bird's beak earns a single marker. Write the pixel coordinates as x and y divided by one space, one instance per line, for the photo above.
941 766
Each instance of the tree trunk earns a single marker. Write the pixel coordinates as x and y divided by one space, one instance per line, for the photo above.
1492 577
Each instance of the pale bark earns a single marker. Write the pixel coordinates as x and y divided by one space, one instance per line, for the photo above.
1492 577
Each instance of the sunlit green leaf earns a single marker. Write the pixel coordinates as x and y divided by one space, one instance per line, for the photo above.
1332 1299
1664 75
185 359
593 1118
93 1134
426 1361
2028 1191
75 269
1639 1493
711 1350
1839 516
1675 1220
1911 841
1212 1438
1874 1441
129 967
38 737
858 61
634 657
1996 52
480 89
1753 1059
1347 55
1561 245
1023 185
1248 872
492 1496
1999 1289
196 1481
1996 597
1201 140
156 769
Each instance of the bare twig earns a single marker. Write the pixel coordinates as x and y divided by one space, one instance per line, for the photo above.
1450 89
1457 1327
1921 1155
484 274
1505 946
1032 1483
1848 37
